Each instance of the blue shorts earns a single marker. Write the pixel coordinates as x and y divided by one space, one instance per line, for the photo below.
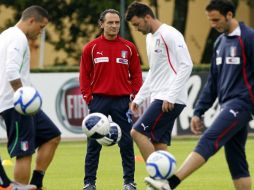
158 125
229 129
26 133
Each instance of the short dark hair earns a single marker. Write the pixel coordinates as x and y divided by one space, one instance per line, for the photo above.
223 6
103 14
139 10
35 11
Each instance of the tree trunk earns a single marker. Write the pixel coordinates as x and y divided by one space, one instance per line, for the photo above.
180 15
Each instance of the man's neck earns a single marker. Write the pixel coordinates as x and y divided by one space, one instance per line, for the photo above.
155 25
21 26
108 37
234 25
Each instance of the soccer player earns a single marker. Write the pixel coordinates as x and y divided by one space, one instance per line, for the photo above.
170 67
231 80
26 134
110 76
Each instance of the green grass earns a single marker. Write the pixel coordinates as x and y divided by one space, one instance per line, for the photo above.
66 171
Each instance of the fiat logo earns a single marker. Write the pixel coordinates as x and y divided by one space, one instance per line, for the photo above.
70 106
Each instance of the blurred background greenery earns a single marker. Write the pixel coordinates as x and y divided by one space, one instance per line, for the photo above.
74 22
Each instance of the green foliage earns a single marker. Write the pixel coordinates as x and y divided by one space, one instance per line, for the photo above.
56 69
74 21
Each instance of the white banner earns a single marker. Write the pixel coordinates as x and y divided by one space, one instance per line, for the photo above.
63 103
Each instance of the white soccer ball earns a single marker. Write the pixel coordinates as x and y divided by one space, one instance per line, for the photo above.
95 125
27 100
114 135
161 165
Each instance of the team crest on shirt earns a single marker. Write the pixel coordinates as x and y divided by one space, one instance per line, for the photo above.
24 145
232 51
233 59
124 54
157 43
157 46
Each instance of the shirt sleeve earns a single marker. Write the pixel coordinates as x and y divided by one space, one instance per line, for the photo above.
15 52
208 94
85 75
184 67
144 91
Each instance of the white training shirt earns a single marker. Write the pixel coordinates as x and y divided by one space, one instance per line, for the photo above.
14 64
170 67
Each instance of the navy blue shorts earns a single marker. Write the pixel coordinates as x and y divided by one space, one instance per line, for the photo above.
26 133
229 129
158 125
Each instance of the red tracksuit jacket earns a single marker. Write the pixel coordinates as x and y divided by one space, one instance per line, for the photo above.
109 67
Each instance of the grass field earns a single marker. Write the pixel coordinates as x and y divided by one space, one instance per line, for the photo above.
66 171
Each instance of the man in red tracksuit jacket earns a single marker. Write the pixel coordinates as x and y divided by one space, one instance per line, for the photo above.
110 76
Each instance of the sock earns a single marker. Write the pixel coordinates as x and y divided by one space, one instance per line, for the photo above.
174 181
37 178
4 180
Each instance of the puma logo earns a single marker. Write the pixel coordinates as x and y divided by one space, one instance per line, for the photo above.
100 52
233 112
143 125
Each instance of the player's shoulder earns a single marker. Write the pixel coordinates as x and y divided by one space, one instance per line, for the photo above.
14 33
126 42
91 44
170 33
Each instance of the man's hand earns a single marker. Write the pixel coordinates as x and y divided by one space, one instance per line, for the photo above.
16 84
197 125
134 107
167 106
88 98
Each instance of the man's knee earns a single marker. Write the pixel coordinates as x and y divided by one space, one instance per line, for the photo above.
134 133
55 141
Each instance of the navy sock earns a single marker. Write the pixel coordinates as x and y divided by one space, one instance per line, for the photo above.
4 180
174 181
37 178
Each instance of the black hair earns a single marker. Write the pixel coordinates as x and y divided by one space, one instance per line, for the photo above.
35 11
139 10
103 14
223 6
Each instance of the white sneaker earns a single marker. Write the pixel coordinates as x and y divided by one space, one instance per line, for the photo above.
157 184
149 188
18 186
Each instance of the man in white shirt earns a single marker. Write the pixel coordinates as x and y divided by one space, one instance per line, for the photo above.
25 133
170 67
230 80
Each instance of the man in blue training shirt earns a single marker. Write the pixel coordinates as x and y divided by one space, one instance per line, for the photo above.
231 80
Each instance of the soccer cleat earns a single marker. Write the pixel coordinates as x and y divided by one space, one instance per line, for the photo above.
89 187
129 186
157 184
18 186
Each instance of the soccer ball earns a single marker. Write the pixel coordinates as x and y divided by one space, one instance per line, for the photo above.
27 100
114 135
161 165
95 125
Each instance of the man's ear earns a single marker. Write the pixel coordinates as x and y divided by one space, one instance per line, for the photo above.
229 15
31 20
147 17
101 24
